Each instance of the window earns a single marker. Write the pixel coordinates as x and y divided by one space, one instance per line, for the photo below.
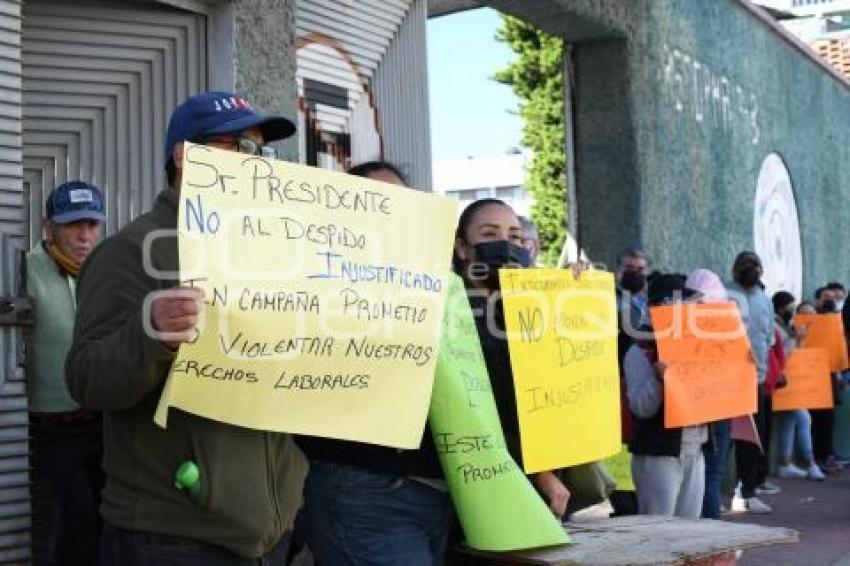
506 192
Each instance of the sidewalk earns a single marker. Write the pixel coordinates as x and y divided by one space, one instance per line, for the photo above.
820 511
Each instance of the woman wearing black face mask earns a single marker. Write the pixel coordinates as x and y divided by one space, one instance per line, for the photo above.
489 237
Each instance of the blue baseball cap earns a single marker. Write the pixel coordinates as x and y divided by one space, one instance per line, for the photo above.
73 201
210 113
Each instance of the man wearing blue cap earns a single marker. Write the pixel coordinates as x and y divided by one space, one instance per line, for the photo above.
66 440
243 499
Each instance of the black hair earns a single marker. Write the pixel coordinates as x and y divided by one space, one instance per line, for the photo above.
634 252
746 257
367 167
667 286
804 304
819 292
781 300
171 173
463 225
834 286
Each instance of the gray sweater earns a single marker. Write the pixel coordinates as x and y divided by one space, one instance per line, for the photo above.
645 393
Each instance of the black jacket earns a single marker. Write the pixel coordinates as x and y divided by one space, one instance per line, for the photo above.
494 345
650 438
420 463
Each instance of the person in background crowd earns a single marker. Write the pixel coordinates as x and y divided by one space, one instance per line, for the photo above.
841 379
710 289
806 307
66 439
795 424
368 504
757 314
530 238
631 275
821 294
633 269
827 299
668 467
129 326
839 294
488 237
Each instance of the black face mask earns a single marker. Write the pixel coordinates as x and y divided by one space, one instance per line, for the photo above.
787 315
497 254
633 281
748 276
828 306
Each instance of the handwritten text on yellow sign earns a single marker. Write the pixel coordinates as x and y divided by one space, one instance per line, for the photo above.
324 298
562 336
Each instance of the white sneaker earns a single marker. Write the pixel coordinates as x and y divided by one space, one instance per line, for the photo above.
768 488
758 507
815 473
738 505
791 471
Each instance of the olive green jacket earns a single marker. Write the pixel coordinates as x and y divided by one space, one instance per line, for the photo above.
251 481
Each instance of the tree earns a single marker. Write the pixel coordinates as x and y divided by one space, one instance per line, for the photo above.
536 76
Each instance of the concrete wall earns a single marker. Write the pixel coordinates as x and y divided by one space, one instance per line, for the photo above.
678 102
264 58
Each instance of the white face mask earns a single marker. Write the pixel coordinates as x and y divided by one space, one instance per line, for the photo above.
839 305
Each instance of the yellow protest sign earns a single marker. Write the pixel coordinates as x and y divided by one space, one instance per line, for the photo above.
324 299
562 337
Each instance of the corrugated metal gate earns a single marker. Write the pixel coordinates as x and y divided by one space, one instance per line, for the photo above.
14 490
99 81
99 85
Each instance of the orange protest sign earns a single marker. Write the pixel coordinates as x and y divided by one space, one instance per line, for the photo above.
710 374
809 383
825 331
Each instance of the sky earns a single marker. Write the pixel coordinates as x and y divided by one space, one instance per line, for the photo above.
470 112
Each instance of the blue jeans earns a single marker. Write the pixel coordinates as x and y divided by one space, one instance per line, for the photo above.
797 424
353 516
715 468
120 547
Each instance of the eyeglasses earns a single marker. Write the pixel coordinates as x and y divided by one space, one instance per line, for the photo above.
242 145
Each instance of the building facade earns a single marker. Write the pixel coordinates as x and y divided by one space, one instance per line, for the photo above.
362 85
493 176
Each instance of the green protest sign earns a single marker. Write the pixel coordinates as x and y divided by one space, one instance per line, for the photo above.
497 505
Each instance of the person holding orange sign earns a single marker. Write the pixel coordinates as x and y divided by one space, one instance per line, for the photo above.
668 467
712 290
795 424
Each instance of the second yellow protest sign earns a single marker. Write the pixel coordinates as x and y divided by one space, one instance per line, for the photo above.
324 298
562 337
